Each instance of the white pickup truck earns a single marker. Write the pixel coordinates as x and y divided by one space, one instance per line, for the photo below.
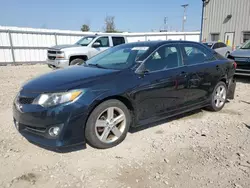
61 56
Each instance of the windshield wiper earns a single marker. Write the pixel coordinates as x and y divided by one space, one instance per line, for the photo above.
96 65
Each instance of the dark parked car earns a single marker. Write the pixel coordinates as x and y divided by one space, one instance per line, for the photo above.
128 85
242 57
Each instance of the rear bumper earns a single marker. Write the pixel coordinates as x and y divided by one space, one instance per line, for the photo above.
62 63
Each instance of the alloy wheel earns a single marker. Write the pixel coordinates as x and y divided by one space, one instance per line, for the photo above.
110 125
220 96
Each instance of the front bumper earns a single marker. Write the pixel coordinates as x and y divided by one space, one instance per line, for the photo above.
242 72
58 63
34 123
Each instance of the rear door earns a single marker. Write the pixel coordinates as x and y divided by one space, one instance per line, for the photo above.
203 72
118 40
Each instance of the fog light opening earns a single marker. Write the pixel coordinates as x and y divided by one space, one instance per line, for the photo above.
54 131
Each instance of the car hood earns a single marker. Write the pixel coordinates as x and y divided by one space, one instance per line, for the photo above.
241 53
65 79
59 47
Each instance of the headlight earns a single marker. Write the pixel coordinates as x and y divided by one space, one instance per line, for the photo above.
53 99
60 55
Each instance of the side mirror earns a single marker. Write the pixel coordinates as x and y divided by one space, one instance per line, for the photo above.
96 44
142 70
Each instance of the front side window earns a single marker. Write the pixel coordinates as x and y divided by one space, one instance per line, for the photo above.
195 54
119 57
85 41
104 41
166 57
118 40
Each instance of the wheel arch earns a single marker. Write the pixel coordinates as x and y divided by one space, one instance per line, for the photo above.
84 57
120 98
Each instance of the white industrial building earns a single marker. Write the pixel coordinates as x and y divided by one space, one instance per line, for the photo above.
227 21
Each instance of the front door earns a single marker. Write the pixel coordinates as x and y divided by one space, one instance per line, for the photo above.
229 39
161 90
104 45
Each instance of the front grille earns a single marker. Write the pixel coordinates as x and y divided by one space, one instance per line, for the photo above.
51 52
243 65
51 57
25 100
35 129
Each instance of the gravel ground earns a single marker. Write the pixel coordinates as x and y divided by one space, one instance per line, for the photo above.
197 150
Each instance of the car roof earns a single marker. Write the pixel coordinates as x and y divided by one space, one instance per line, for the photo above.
159 43
213 42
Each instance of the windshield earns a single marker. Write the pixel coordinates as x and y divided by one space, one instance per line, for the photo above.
85 41
119 57
208 44
246 45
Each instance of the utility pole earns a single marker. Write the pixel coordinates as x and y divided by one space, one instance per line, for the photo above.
165 24
184 16
202 18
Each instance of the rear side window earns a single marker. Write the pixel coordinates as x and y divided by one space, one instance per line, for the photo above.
118 40
222 45
195 54
216 45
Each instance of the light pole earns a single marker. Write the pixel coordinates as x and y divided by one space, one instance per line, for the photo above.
184 16
202 20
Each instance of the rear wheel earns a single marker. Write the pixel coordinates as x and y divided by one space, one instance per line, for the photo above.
77 61
108 124
219 97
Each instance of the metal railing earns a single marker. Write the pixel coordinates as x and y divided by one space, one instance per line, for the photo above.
14 46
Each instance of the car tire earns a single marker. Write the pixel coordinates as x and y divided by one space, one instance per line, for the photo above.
218 97
77 61
108 124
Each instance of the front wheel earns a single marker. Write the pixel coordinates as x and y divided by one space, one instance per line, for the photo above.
108 124
219 97
77 62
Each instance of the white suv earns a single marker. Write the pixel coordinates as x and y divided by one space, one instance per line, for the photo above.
61 56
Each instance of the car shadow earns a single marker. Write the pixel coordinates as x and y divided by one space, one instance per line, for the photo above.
186 115
62 150
247 126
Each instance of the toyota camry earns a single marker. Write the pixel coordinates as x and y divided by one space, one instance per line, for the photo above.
125 86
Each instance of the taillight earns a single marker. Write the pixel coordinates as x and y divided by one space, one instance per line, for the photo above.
235 65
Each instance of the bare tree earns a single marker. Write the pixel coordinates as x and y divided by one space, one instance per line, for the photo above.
110 24
85 27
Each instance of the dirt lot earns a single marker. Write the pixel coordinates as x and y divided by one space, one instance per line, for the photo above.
197 150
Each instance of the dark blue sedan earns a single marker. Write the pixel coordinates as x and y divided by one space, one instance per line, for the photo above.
126 86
